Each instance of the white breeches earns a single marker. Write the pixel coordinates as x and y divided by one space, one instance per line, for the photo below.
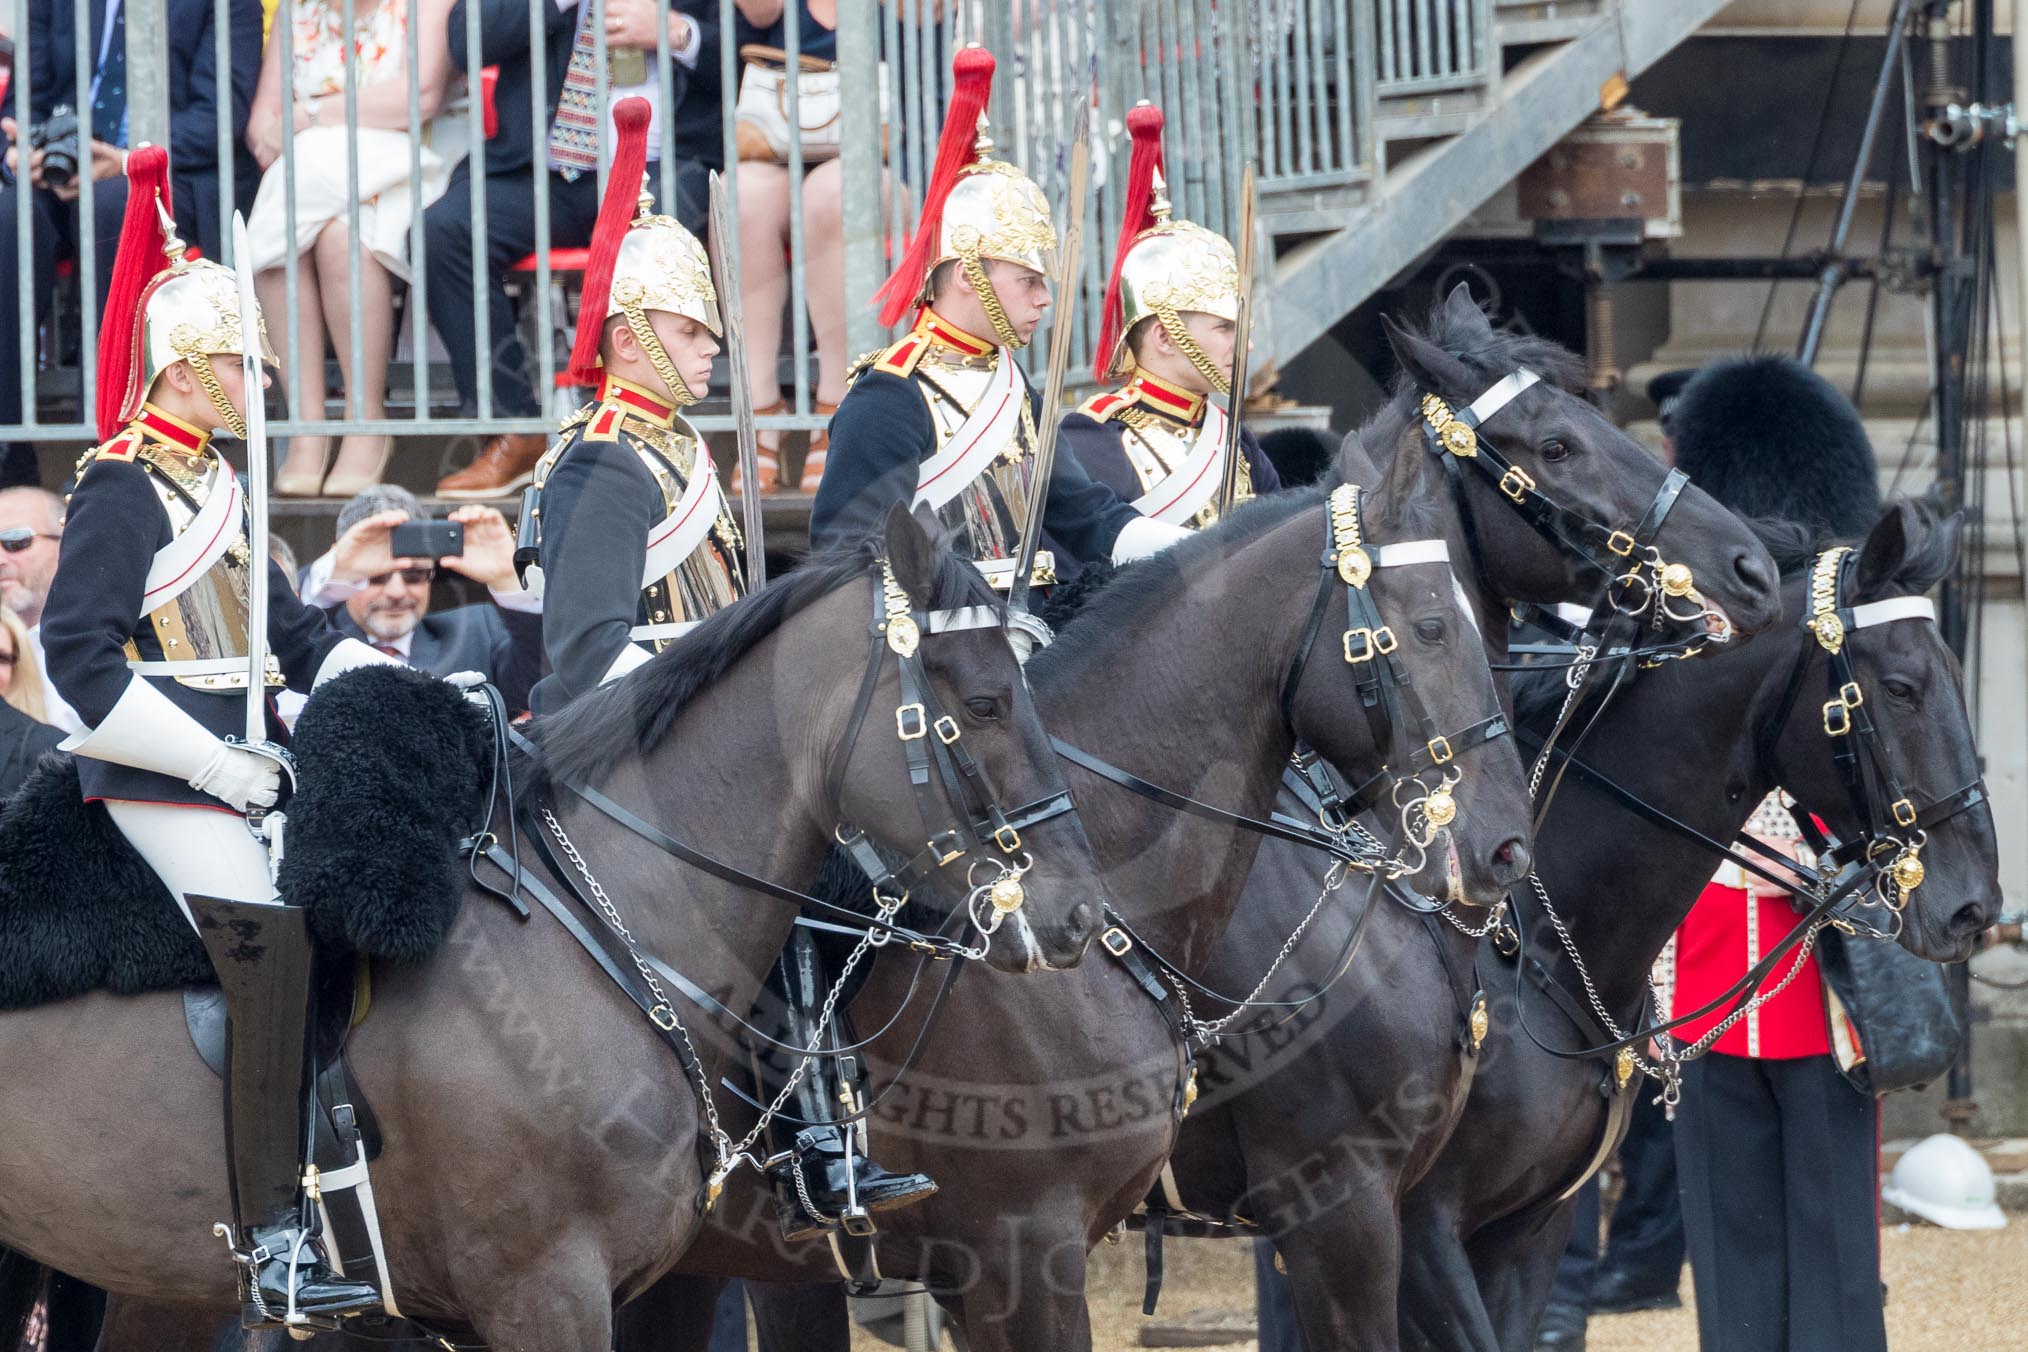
195 849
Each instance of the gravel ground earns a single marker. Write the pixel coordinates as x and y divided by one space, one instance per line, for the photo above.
1947 1292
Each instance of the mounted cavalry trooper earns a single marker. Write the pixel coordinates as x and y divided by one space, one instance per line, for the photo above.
625 513
946 418
147 631
1170 328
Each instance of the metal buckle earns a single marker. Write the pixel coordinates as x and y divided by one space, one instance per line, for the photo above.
1116 942
1440 750
1837 718
901 722
947 729
947 846
1007 838
1621 543
1516 483
1904 812
663 1018
1373 643
1850 695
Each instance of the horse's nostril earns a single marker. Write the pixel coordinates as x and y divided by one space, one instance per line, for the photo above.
1513 860
1083 922
1755 570
1968 920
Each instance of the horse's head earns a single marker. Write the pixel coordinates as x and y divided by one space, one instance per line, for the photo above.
1390 682
937 756
1869 730
1562 499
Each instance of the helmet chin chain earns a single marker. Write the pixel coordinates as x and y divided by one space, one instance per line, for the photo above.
207 379
989 301
1172 324
658 356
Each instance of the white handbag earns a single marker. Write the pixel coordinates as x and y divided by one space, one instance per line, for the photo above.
762 112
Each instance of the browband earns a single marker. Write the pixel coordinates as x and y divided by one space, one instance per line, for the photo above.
1411 551
1502 392
1894 608
964 617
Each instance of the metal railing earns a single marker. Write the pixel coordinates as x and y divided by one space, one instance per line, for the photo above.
1288 84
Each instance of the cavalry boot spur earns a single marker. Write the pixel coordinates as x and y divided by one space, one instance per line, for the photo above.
288 1276
832 1174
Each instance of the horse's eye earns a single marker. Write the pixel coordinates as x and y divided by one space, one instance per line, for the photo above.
1430 631
984 709
1554 450
1901 690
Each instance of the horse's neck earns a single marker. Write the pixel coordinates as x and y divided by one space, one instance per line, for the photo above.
722 782
1190 701
1680 740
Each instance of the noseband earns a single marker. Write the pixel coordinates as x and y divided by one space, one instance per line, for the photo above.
1896 828
1386 691
1635 577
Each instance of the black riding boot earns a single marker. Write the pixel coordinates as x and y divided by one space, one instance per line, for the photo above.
262 954
839 1185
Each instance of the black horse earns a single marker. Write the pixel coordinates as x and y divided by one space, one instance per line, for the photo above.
1706 742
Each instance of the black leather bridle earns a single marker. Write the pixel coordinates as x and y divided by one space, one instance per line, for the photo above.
1896 826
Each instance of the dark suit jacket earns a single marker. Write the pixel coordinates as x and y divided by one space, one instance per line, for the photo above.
22 742
504 644
503 42
192 67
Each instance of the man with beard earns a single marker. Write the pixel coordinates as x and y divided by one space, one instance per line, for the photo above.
385 601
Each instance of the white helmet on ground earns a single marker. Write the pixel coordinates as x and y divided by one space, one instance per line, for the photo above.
1946 1182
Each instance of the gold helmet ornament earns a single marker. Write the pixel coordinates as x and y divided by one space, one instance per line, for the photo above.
975 208
183 309
1163 268
639 262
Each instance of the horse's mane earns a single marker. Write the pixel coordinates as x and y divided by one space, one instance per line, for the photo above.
1931 551
1107 609
1493 352
630 717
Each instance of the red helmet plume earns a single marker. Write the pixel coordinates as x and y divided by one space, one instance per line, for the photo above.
616 214
139 259
972 86
1144 124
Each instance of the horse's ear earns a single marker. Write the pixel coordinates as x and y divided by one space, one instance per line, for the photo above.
1887 548
1429 366
1461 310
912 553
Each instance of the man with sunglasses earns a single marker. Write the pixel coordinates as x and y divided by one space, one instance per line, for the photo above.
385 601
31 523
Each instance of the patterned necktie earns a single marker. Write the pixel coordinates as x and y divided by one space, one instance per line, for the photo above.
109 90
574 135
391 651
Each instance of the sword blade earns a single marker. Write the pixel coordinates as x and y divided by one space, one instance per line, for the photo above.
1070 259
733 319
1242 345
257 486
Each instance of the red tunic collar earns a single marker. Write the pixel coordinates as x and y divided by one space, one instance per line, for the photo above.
940 330
1172 401
170 430
613 390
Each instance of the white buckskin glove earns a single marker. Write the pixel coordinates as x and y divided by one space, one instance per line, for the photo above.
1144 536
145 730
467 680
240 779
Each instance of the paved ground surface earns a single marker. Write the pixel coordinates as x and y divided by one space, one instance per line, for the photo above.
1948 1292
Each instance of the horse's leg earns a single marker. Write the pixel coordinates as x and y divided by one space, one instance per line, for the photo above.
800 1318
1516 1273
141 1326
673 1315
1345 1266
1440 1307
1033 1298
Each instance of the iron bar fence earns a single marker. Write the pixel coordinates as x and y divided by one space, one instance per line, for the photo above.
1289 84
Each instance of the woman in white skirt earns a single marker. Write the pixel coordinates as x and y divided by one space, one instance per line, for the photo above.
388 203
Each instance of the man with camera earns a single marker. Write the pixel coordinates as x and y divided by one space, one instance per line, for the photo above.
376 583
47 157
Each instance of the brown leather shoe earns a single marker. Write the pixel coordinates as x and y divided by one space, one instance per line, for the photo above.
502 466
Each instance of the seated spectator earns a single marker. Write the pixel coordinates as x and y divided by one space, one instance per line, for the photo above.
325 271
190 69
565 167
764 223
23 734
385 600
31 523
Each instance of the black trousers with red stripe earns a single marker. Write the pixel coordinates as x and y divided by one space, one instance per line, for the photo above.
1778 1163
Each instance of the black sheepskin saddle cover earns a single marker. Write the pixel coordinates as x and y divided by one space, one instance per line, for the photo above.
392 769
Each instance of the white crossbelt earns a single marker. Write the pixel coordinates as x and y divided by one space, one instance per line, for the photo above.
178 565
1183 492
983 435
